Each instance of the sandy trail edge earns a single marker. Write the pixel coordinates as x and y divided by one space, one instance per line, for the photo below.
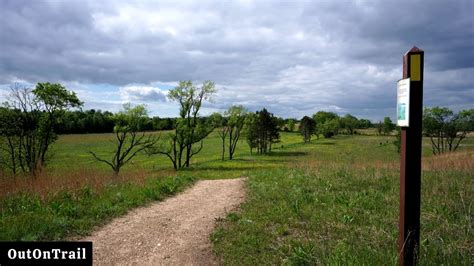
172 232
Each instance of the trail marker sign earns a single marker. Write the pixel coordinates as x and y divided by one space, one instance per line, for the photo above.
409 117
403 102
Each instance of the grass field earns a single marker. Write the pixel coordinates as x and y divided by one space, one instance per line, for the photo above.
337 203
331 201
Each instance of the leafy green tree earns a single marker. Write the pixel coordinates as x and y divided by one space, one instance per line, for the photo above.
189 128
349 123
322 117
445 128
327 123
162 123
38 113
88 121
130 137
329 128
230 125
388 126
291 125
53 99
365 123
235 122
251 131
307 128
263 131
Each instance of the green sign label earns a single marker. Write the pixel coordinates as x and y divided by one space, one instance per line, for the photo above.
402 111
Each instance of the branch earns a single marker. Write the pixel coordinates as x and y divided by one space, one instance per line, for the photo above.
461 137
132 145
102 160
144 145
196 152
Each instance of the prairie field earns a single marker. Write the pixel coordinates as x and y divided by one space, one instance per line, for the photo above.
330 201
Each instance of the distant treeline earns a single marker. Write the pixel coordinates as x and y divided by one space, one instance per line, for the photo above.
97 121
33 117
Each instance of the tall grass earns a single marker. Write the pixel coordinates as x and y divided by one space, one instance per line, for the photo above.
48 183
28 217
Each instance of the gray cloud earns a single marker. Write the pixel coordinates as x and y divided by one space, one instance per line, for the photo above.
294 58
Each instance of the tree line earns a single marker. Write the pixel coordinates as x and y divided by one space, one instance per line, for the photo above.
97 121
31 121
329 124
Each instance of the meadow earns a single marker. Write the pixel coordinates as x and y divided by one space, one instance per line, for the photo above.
331 201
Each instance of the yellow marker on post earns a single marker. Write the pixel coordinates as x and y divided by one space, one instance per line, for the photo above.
415 69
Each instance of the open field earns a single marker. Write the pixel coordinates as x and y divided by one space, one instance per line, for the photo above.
329 201
337 203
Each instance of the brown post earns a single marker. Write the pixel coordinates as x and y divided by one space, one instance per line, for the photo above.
410 163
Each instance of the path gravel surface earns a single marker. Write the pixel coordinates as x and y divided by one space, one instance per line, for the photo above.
172 232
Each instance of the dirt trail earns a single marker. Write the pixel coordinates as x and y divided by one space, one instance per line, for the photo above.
172 232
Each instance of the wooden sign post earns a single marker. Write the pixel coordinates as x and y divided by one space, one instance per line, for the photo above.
410 163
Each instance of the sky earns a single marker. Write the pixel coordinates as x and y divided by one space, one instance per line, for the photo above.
293 57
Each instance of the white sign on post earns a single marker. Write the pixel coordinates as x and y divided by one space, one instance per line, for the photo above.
403 102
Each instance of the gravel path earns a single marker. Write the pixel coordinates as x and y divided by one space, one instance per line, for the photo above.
172 232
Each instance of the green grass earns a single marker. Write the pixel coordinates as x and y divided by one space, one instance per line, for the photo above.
75 148
57 213
28 218
331 201
338 204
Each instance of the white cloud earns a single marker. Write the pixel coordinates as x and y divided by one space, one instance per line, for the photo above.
134 93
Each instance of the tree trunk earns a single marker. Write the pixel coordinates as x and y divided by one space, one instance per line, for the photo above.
188 155
230 144
223 148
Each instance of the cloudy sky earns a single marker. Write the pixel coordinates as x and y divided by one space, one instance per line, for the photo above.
294 58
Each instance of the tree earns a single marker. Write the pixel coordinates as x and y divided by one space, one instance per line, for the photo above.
87 121
388 126
379 127
365 123
280 122
291 125
322 117
235 122
262 131
327 123
329 128
349 123
37 113
189 128
129 135
223 130
163 123
10 152
446 129
251 131
307 128
53 99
